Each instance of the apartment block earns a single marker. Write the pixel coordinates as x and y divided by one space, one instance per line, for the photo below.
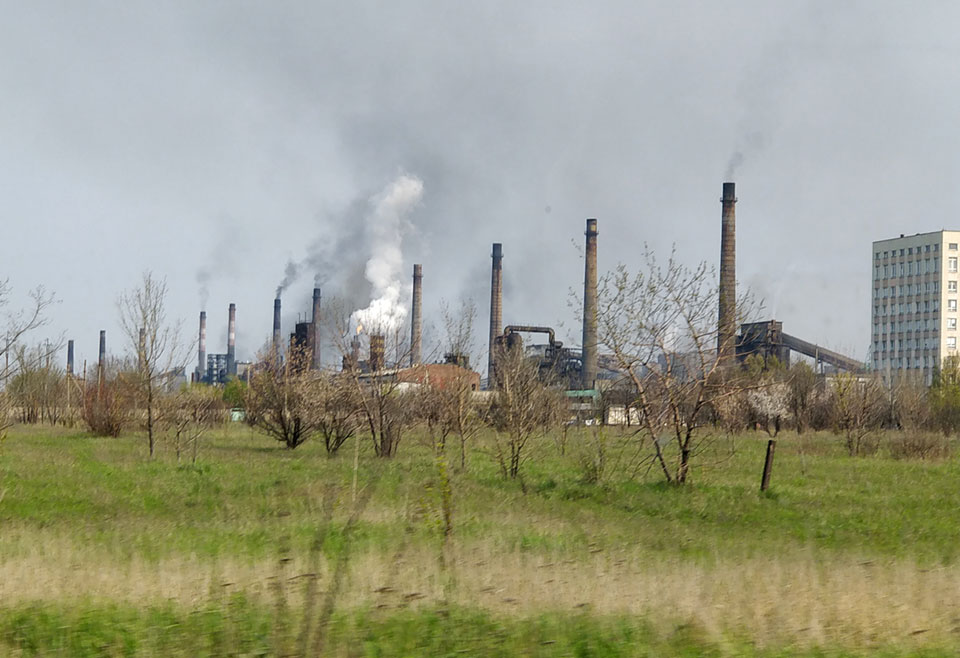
914 309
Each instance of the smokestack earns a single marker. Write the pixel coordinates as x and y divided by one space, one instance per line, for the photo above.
70 357
727 320
377 352
416 316
315 329
231 341
202 346
276 326
588 373
102 361
496 305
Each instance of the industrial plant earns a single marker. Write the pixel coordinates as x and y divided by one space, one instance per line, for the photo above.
584 371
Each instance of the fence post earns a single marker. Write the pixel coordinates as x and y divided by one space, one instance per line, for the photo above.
768 465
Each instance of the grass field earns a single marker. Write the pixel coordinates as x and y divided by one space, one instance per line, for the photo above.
257 550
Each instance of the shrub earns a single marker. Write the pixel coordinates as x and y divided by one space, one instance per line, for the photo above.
920 445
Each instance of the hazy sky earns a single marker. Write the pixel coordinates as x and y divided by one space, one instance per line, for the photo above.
213 141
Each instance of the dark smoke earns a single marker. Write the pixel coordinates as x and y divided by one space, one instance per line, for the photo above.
290 274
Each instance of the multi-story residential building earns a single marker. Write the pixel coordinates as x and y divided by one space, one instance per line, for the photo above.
914 311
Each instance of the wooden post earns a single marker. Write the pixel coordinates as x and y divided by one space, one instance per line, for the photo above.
768 465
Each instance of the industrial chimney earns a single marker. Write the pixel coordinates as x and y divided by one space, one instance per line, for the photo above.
231 341
70 357
727 320
276 327
102 361
496 306
315 330
377 352
416 330
588 373
202 346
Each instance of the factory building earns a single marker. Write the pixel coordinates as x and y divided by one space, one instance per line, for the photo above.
914 303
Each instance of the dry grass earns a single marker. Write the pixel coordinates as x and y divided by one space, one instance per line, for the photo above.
799 599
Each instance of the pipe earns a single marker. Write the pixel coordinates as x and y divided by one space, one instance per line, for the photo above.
315 330
588 373
416 330
727 315
276 327
202 346
496 306
231 340
70 357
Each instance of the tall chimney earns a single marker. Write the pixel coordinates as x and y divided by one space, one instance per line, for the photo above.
231 341
416 329
496 305
70 357
727 320
276 327
102 361
202 346
588 374
315 330
377 352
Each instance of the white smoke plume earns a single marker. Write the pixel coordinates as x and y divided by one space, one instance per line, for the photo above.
385 228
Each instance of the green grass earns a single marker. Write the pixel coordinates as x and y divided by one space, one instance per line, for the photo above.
519 574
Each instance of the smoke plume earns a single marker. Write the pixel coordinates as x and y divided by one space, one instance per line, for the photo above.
385 227
203 277
290 274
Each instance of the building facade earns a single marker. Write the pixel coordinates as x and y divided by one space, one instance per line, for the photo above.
914 311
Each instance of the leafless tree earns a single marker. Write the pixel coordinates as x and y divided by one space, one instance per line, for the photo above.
386 410
524 406
339 409
189 414
160 349
661 326
20 322
38 388
859 409
802 381
284 398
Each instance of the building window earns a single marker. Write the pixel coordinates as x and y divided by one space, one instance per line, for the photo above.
952 264
951 342
952 246
951 323
909 251
927 249
901 252
951 286
936 264
951 305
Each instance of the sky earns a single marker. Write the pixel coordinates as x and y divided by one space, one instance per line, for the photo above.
214 142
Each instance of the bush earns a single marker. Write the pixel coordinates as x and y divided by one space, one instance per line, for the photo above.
106 408
920 445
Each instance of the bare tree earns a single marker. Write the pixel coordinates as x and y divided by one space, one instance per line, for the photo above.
524 406
802 381
859 408
161 352
38 388
339 406
386 410
20 322
661 326
190 413
284 399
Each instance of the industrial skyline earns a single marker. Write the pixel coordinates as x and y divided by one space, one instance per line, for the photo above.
214 146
